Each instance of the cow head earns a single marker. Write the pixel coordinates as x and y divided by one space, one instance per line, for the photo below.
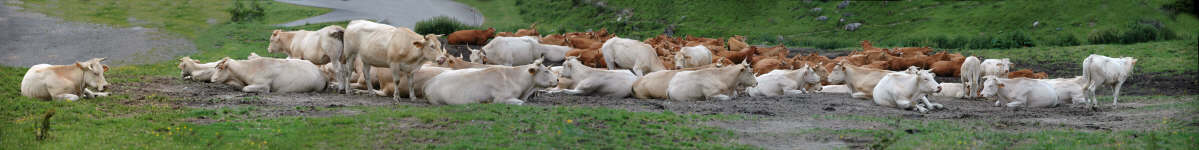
837 76
223 71
991 87
680 59
477 56
746 76
278 41
93 73
926 82
542 77
186 65
569 66
431 48
809 75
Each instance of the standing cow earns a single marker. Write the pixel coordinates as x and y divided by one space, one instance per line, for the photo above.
971 73
69 82
1102 70
398 48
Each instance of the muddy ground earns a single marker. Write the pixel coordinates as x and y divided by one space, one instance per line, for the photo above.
775 122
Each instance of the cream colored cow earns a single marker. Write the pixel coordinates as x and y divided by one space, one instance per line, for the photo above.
591 81
903 89
861 81
780 82
69 82
193 70
631 54
971 76
397 48
711 83
265 75
1019 92
509 85
1101 70
694 56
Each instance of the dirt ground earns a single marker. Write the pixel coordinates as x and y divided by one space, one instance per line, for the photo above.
774 123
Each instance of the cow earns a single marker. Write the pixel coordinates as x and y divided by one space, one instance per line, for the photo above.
554 39
740 55
769 64
591 81
954 90
902 89
265 75
971 75
590 57
780 82
711 83
654 85
193 70
531 31
693 57
475 37
1019 92
398 48
951 68
387 84
630 54
995 67
563 82
68 82
319 46
501 84
511 51
1069 90
834 89
1025 73
737 42
779 50
457 63
1101 70
861 81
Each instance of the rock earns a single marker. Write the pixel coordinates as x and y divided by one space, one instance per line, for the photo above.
843 4
816 10
853 26
822 18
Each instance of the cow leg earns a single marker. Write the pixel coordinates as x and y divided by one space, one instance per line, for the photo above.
905 104
1016 103
930 104
720 97
368 77
68 97
513 101
793 92
90 93
1116 93
858 95
257 88
1090 93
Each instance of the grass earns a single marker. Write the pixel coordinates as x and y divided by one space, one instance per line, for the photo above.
1172 57
886 23
1172 132
157 122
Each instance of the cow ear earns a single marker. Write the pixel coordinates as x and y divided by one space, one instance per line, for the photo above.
275 32
105 68
1001 85
77 64
419 44
532 70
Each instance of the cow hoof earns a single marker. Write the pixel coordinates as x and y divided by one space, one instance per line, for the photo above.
921 110
936 106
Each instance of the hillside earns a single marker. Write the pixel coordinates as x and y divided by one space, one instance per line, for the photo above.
946 24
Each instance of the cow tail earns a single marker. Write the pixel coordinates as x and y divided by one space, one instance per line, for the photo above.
1085 72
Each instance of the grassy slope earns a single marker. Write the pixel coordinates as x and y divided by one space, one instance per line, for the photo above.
152 122
1174 57
884 22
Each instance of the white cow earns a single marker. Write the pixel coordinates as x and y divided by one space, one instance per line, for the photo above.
591 81
711 83
1069 90
265 75
996 67
511 51
398 48
971 75
1102 70
69 82
193 70
1019 92
902 89
780 82
834 89
954 90
861 81
631 54
319 46
502 84
694 56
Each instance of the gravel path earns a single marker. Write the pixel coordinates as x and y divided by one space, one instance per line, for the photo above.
33 38
403 13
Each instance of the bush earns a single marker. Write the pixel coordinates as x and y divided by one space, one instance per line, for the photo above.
1061 39
240 12
440 25
1104 36
1137 32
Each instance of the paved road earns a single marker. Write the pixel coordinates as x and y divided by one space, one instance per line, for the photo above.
32 38
394 12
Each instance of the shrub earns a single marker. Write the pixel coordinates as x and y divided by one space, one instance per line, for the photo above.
1061 39
1104 36
240 12
1137 32
440 25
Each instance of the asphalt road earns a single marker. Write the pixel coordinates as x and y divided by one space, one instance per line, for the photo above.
403 13
32 38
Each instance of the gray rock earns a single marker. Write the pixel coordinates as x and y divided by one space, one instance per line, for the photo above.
843 4
817 9
822 18
853 26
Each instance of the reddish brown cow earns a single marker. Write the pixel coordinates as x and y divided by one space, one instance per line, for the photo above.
769 64
583 43
554 39
1025 73
476 37
531 31
589 57
950 68
738 56
779 50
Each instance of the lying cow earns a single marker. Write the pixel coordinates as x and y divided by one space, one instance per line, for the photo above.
511 51
193 70
834 89
995 67
654 85
265 75
1019 92
861 81
694 56
902 89
1069 90
69 82
509 85
1102 70
476 37
591 81
631 54
780 82
387 84
381 45
711 83
954 90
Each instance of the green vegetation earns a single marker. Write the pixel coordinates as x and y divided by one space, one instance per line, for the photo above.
440 25
944 24
1173 132
1174 57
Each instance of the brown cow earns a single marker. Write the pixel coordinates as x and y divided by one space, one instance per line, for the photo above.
737 42
738 56
554 39
948 68
531 31
1025 73
769 64
475 37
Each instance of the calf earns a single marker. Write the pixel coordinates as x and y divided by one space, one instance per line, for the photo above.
711 83
1101 70
265 75
631 54
780 82
475 37
591 81
1019 92
398 48
502 84
902 89
69 82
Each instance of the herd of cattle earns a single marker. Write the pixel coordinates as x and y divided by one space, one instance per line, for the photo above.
510 68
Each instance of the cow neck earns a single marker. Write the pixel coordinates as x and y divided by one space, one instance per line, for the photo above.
237 65
81 80
291 36
579 71
729 73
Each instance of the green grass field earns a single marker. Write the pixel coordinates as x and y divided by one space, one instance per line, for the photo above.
154 122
